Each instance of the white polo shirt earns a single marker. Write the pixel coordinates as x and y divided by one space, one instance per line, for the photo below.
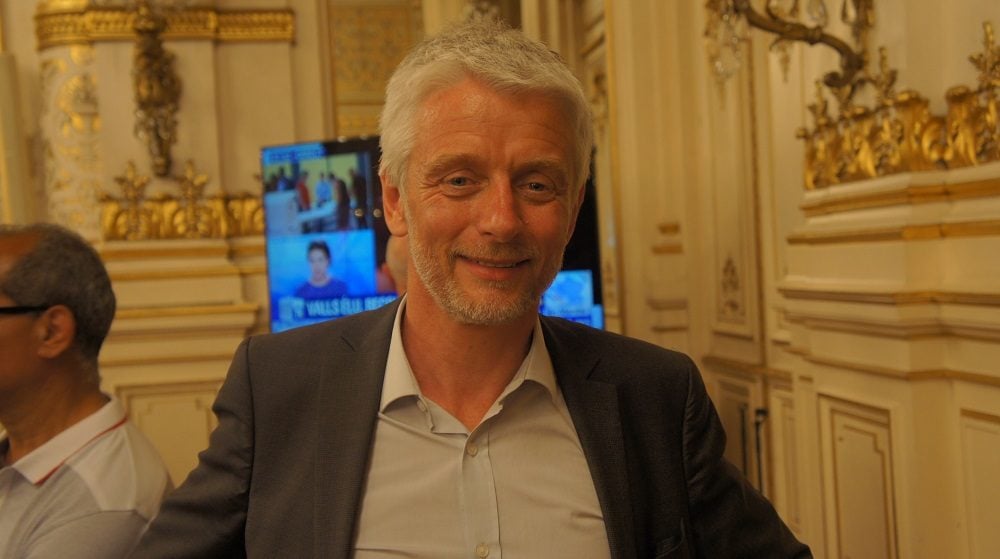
89 492
516 486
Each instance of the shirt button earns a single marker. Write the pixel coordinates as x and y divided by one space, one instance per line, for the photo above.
472 450
482 550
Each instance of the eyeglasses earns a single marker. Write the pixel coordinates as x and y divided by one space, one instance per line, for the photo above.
22 310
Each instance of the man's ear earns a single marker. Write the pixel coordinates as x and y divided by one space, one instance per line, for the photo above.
57 331
393 206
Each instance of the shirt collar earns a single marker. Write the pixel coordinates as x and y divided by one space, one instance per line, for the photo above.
400 383
42 462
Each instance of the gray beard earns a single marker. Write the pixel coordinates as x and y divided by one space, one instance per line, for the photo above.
449 296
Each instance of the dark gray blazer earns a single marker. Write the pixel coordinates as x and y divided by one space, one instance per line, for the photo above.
283 474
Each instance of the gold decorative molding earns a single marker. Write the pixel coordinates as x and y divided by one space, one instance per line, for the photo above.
669 228
79 23
130 222
857 441
670 314
256 25
660 304
223 217
946 374
908 330
182 330
130 253
894 297
245 251
971 229
899 233
910 195
667 248
354 125
156 86
165 360
981 416
900 134
189 273
899 374
194 222
62 5
731 293
198 310
188 216
70 127
664 328
252 269
174 274
747 369
366 44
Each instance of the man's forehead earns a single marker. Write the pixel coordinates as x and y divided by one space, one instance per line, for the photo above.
13 248
18 244
480 90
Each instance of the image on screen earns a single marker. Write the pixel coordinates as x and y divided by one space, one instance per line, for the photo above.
324 230
326 237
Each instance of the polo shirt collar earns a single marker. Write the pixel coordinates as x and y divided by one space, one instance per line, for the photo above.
42 462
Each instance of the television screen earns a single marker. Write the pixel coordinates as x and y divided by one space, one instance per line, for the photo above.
326 237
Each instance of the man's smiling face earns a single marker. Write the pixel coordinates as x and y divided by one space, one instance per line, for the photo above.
490 200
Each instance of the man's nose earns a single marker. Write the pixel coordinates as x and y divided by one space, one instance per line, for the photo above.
500 214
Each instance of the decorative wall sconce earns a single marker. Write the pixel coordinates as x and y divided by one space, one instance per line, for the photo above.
729 23
157 88
897 132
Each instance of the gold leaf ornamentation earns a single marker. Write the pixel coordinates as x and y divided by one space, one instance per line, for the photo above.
157 89
900 134
127 218
193 219
83 24
189 214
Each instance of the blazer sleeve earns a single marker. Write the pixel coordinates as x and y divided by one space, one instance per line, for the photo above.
206 515
729 517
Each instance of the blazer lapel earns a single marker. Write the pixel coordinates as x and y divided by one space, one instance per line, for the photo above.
593 405
349 393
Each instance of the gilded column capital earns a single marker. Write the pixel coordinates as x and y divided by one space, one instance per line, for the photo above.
63 22
55 6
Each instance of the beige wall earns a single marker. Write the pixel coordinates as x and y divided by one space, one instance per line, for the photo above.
862 316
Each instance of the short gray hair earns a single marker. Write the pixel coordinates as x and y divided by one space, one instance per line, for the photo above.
493 53
63 269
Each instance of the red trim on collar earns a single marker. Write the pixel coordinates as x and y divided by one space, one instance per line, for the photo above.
83 446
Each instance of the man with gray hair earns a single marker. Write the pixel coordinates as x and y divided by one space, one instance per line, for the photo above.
76 478
457 422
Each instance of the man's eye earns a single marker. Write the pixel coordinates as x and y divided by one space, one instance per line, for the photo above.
459 181
539 191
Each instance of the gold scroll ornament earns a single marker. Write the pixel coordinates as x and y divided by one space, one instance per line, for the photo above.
900 134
